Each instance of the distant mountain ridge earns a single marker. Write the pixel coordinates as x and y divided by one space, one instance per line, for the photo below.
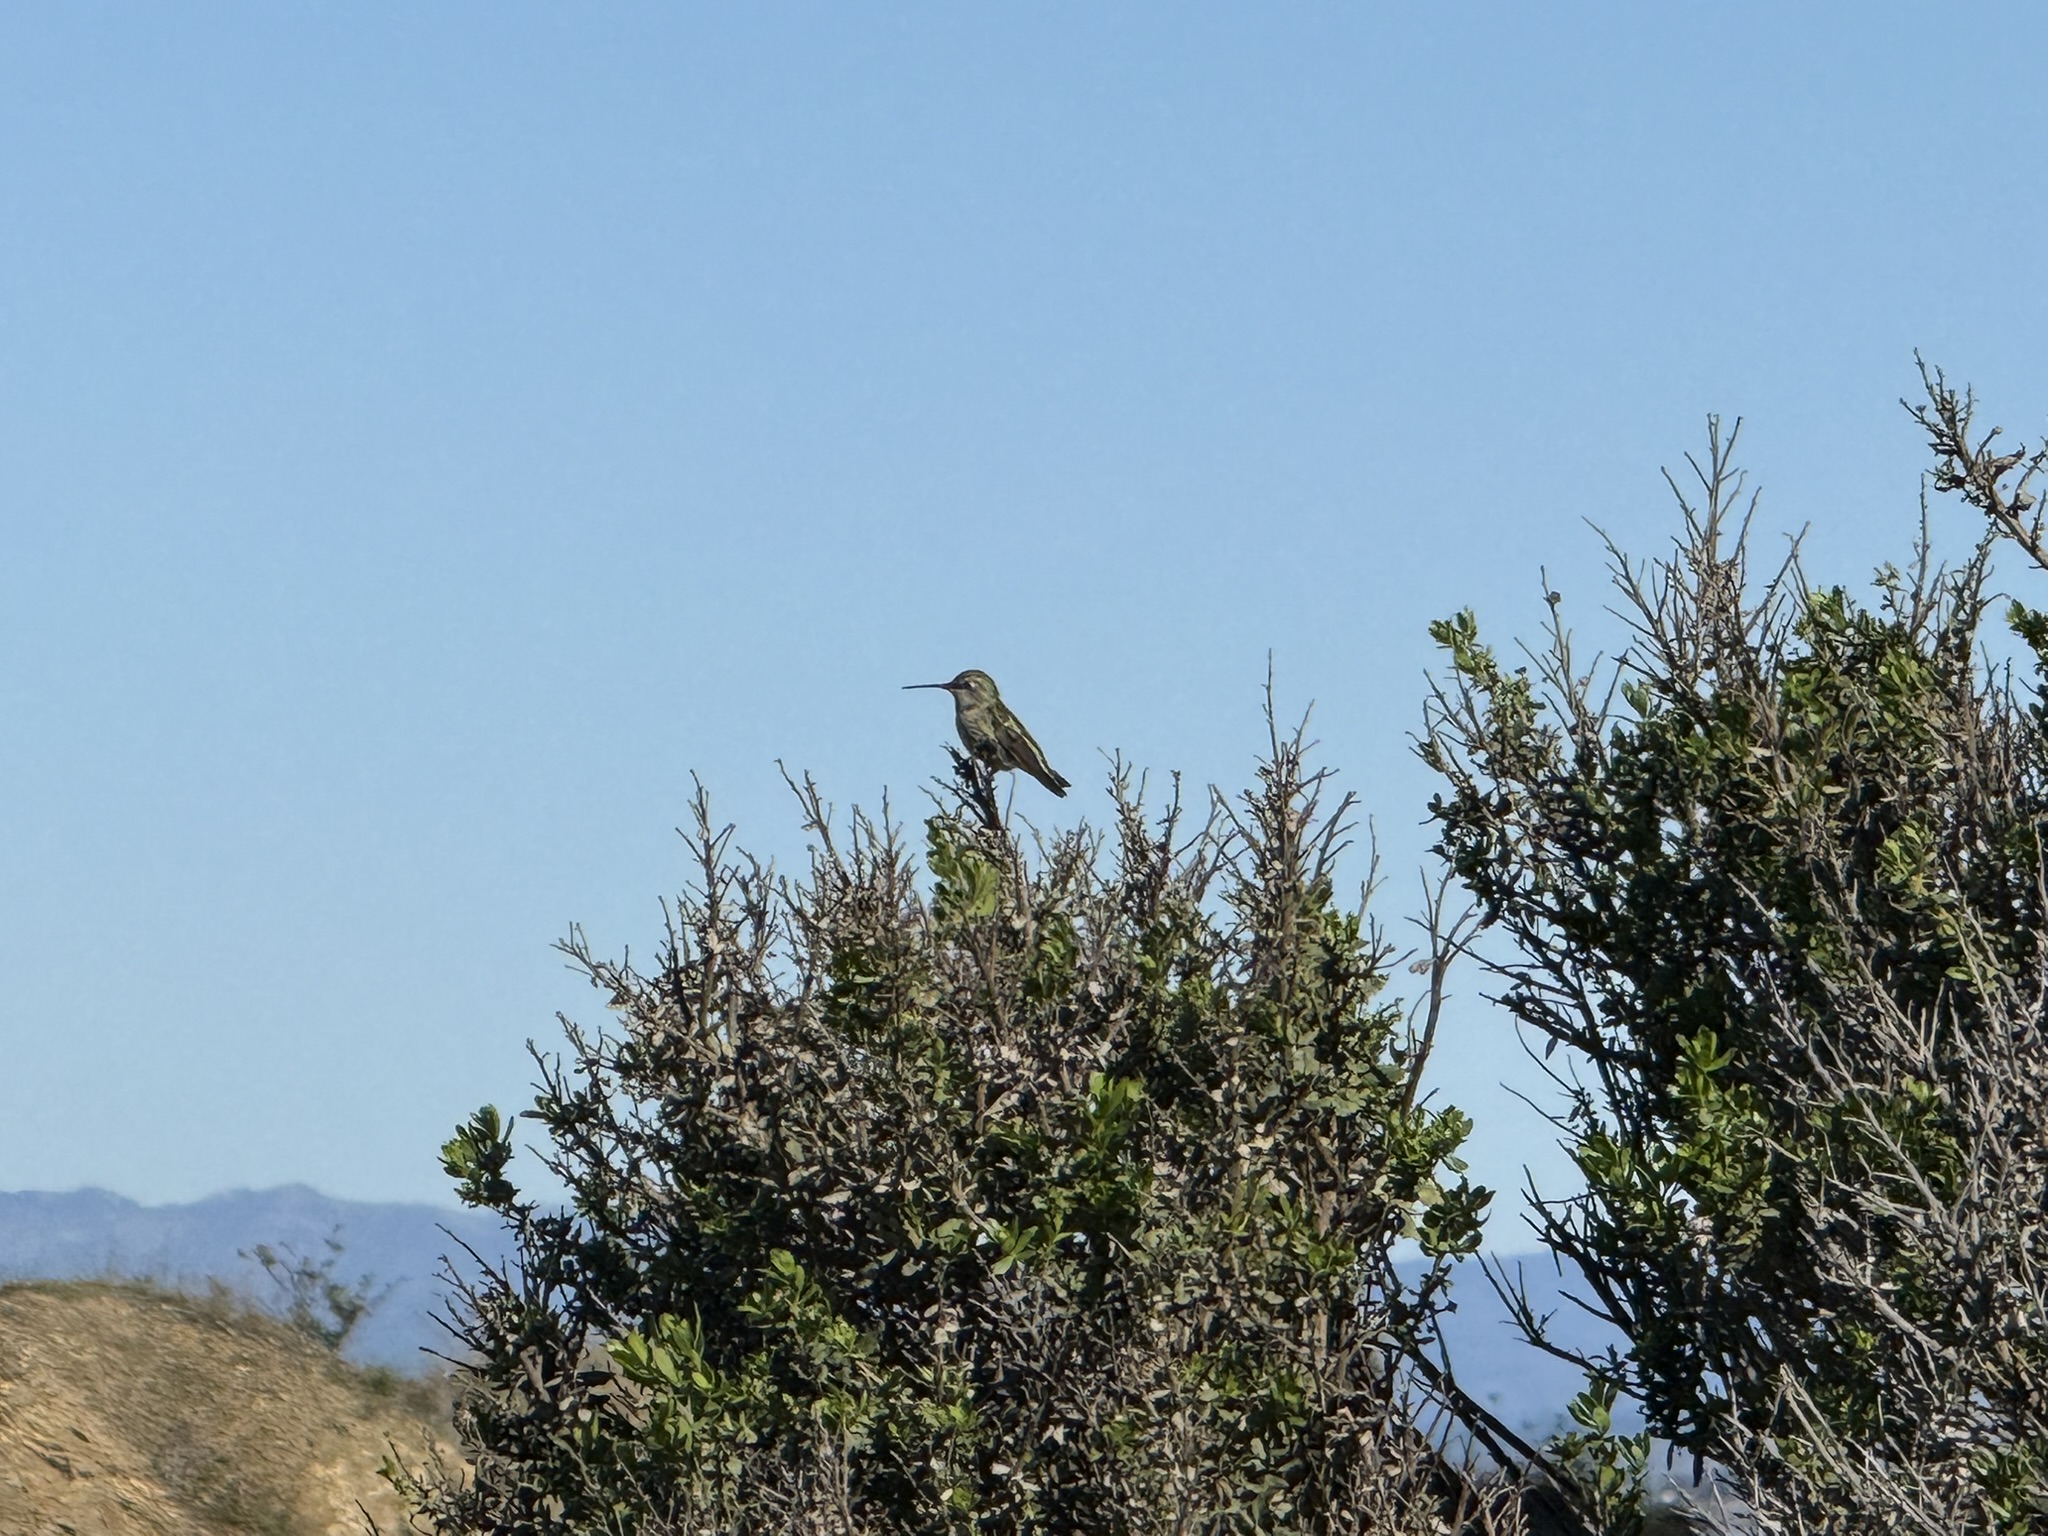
91 1233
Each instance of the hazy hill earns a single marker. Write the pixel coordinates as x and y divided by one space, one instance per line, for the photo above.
91 1233
128 1411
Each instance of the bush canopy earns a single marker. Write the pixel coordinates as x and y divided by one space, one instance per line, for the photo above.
1053 1191
1056 1183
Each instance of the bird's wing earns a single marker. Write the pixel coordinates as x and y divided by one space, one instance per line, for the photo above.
1023 753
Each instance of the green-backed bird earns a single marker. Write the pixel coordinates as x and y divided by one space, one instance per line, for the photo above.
988 729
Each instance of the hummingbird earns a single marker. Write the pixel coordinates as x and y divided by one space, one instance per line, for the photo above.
990 732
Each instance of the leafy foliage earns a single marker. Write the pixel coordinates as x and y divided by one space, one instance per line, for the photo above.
1772 896
1056 1192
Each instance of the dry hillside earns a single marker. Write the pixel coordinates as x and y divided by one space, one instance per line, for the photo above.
125 1409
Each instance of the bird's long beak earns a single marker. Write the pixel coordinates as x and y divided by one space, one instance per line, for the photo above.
908 686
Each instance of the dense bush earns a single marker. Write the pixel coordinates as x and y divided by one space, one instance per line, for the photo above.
1047 1189
1772 894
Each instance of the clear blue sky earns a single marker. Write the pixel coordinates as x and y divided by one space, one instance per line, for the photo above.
429 434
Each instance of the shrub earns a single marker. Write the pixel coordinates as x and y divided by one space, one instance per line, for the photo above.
1771 891
1052 1189
324 1309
